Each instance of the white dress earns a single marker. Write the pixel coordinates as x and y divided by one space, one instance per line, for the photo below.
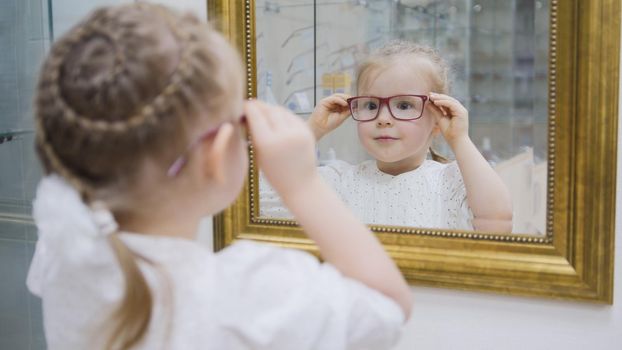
431 196
248 296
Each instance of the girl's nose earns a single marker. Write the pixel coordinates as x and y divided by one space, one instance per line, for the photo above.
384 116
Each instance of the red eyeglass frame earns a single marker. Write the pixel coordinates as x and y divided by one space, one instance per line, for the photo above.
385 101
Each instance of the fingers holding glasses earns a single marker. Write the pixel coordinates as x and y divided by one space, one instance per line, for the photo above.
329 114
454 122
449 106
337 103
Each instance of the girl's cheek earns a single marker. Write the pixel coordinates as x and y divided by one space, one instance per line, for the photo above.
363 129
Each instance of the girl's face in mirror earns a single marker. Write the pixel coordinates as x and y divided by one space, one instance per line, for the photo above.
390 140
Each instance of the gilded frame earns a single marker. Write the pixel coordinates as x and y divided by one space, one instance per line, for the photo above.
575 259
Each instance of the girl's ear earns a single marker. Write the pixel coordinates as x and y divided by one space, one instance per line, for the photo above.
215 153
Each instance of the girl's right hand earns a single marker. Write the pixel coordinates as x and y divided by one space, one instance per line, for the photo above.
284 146
328 114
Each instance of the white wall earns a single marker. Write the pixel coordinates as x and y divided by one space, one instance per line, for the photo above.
66 13
198 7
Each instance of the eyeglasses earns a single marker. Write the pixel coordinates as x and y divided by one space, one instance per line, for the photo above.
401 107
181 161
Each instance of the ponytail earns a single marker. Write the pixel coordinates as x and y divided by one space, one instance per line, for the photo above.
437 157
131 319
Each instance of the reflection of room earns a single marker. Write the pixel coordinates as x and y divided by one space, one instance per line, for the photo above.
498 52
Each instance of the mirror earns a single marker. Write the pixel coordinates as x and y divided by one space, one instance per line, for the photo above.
497 53
574 258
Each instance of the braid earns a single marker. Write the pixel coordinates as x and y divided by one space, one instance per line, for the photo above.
98 85
53 162
148 112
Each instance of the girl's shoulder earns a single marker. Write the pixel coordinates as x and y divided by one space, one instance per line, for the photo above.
437 168
337 166
337 171
439 175
343 167
432 164
247 260
246 252
367 166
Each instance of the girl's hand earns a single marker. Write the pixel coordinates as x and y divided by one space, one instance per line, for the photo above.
453 119
328 114
284 147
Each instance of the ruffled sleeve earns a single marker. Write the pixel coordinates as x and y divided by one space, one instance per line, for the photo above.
333 173
286 299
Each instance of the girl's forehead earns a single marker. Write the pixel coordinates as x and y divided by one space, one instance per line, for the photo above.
398 77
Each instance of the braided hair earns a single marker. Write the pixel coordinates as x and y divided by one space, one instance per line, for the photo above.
126 84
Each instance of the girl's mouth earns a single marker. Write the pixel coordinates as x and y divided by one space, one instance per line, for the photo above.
386 138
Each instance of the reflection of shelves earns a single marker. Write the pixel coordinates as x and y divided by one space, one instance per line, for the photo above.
488 33
276 7
484 76
23 219
12 135
426 30
14 209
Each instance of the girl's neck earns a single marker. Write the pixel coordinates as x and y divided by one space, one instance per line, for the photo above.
173 214
401 166
179 226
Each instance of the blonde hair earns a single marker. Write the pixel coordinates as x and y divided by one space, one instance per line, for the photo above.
128 84
395 52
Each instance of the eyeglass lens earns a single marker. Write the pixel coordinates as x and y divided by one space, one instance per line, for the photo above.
401 107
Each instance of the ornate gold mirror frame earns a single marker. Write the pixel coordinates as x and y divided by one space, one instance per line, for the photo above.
575 259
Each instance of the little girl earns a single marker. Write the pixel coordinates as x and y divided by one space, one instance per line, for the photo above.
398 114
139 130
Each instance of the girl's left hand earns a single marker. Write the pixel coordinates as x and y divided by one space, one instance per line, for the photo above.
452 119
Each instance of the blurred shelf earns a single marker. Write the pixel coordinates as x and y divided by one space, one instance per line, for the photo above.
12 135
15 209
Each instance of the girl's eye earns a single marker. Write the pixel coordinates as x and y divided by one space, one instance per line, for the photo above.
403 105
370 106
